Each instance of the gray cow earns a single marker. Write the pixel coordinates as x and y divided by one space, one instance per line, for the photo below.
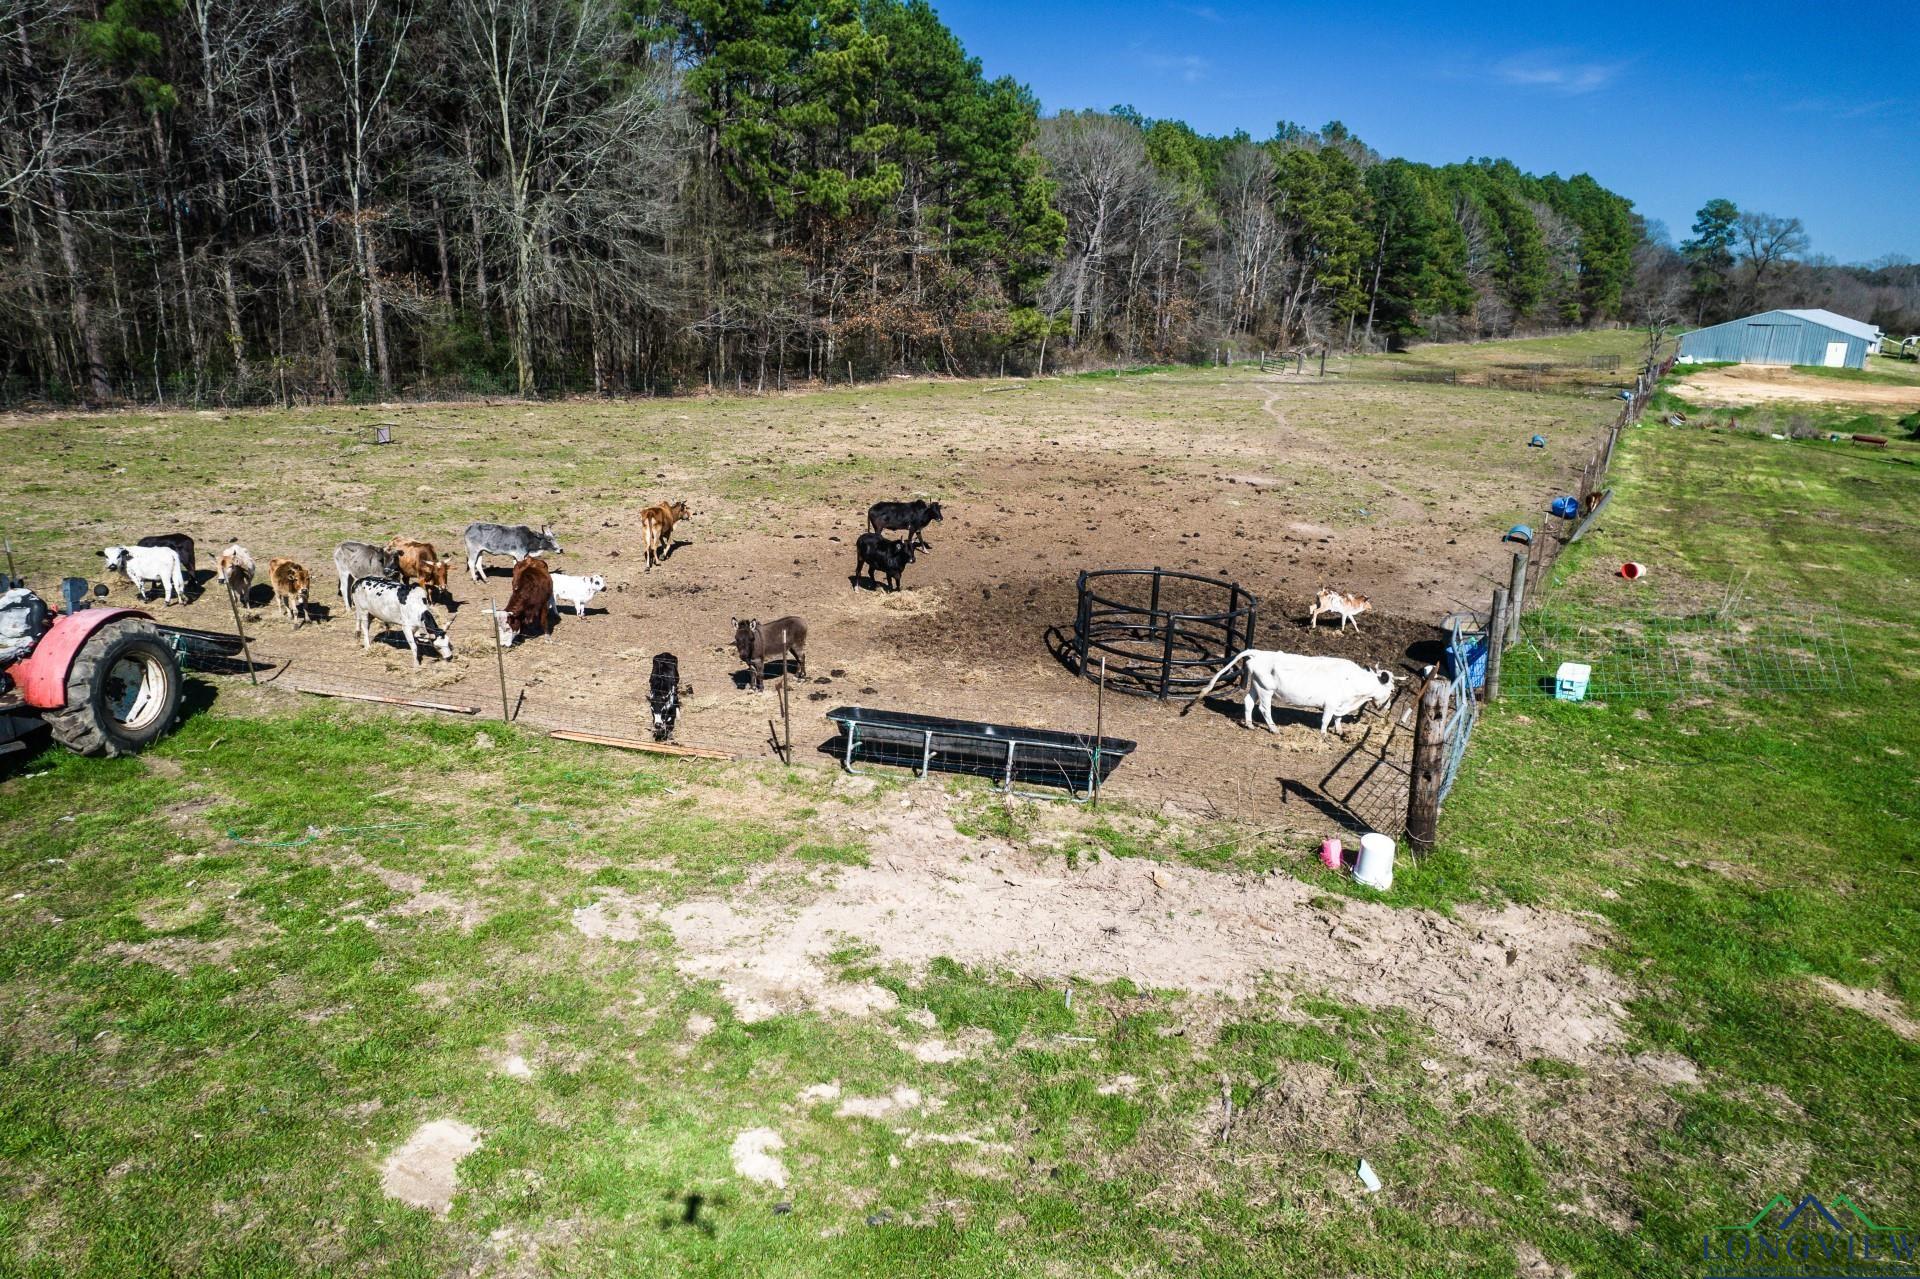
516 541
359 561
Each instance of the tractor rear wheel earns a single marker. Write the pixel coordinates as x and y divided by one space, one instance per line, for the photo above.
123 691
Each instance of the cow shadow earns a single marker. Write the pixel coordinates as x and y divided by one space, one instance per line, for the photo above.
775 667
871 584
1233 707
259 595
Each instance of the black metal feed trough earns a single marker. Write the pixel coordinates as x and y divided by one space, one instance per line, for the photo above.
1163 634
1034 756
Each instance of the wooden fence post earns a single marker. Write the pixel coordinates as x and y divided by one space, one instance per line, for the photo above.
1496 642
1516 595
246 651
1429 765
499 659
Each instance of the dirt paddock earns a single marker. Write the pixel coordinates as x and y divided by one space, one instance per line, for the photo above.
1749 384
1284 485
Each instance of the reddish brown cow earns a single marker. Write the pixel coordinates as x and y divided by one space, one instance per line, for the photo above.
530 603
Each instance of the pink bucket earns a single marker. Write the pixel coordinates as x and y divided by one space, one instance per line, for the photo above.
1633 571
1330 851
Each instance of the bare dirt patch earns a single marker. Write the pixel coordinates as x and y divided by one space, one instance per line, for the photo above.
1515 981
425 1171
1876 1004
755 1159
1282 485
1744 384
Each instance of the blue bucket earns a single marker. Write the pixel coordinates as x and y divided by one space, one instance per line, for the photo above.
1469 655
1537 442
1519 533
1567 507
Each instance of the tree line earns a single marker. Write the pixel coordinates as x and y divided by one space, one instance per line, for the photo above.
1742 261
255 199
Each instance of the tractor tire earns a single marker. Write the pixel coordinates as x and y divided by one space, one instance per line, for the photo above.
123 691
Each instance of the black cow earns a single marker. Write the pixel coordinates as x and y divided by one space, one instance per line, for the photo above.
912 516
180 544
663 692
877 551
756 643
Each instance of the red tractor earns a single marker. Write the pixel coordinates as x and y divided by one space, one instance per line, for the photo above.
104 681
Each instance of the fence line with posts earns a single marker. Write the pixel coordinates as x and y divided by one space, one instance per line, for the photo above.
1446 712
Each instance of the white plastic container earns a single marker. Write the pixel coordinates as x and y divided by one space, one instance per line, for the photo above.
1570 681
1375 865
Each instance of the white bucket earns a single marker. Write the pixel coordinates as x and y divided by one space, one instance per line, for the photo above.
1375 866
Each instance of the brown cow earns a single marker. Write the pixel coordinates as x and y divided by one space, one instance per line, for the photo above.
656 529
421 565
291 582
530 602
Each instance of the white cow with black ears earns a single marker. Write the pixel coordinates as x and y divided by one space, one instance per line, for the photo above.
145 566
402 606
1333 686
569 588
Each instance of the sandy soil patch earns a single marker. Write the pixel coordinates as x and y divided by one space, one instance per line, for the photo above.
1876 1004
1513 981
754 1157
1758 384
425 1171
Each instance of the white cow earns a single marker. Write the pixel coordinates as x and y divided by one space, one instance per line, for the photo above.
402 606
146 565
577 591
1333 686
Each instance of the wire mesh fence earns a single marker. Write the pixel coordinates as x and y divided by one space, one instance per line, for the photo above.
1655 651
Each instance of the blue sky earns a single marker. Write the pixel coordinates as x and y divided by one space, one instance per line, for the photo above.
1810 109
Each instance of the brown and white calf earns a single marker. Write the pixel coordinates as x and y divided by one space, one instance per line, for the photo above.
421 565
291 582
235 572
1341 603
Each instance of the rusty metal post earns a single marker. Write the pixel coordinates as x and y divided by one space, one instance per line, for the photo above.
1429 764
1099 727
246 651
1496 642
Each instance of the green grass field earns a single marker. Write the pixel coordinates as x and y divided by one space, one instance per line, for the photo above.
237 973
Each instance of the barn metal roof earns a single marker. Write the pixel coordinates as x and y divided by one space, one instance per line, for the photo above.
1857 328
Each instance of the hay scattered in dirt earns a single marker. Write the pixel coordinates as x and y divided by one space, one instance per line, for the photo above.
1513 981
819 1094
752 1157
1876 1004
425 1171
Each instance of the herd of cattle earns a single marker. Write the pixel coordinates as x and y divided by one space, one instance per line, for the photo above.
394 587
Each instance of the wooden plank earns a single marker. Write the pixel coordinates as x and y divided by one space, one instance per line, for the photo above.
638 744
391 701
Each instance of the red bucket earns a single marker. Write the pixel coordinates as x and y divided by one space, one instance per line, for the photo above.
1633 571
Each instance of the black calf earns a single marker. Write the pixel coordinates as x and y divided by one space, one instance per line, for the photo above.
878 551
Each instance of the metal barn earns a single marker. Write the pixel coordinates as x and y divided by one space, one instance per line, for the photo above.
1784 337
